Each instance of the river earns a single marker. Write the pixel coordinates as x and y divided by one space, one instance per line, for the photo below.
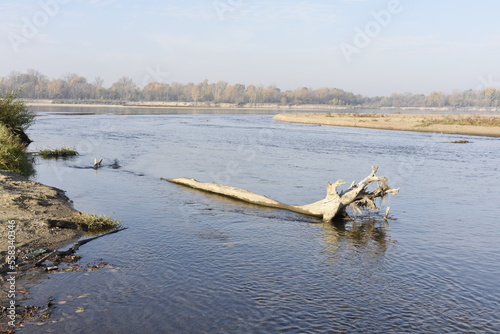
190 262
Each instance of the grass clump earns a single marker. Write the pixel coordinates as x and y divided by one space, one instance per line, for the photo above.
475 120
373 115
356 115
57 153
96 223
13 156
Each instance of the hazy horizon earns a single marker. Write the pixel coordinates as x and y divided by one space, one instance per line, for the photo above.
365 47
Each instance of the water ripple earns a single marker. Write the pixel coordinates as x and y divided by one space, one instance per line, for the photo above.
192 263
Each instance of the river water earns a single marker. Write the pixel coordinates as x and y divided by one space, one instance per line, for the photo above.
190 262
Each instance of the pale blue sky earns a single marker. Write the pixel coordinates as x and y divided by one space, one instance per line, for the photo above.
420 47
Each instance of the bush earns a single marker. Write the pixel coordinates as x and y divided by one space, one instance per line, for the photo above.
14 113
13 155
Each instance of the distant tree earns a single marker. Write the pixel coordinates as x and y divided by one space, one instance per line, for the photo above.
218 91
176 91
237 94
490 94
206 90
78 88
56 89
303 96
186 92
271 94
125 89
155 91
251 94
195 93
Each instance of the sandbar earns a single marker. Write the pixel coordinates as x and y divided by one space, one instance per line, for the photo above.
477 125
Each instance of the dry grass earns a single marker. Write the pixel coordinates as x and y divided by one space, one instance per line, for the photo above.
474 120
97 223
356 115
479 125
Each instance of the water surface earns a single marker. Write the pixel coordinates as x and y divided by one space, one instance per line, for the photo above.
190 262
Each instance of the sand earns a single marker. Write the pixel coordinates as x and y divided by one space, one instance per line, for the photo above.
31 204
25 208
401 122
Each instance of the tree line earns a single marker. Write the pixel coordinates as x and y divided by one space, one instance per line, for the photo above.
73 87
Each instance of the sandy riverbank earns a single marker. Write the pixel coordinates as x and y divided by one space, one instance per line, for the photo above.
25 208
401 122
31 204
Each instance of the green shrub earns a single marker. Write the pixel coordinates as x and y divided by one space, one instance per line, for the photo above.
13 155
14 113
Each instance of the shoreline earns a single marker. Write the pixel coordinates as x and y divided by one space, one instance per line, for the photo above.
256 106
32 204
398 122
26 207
192 105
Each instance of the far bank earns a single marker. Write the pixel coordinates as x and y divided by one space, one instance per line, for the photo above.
260 106
477 125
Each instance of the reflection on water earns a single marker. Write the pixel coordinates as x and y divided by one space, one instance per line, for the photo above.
362 234
365 231
196 263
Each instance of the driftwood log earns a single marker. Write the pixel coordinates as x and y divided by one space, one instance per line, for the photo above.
333 206
97 163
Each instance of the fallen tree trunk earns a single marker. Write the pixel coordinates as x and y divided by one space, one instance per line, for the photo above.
333 206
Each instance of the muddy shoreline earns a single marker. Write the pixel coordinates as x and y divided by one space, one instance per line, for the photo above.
26 208
400 122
